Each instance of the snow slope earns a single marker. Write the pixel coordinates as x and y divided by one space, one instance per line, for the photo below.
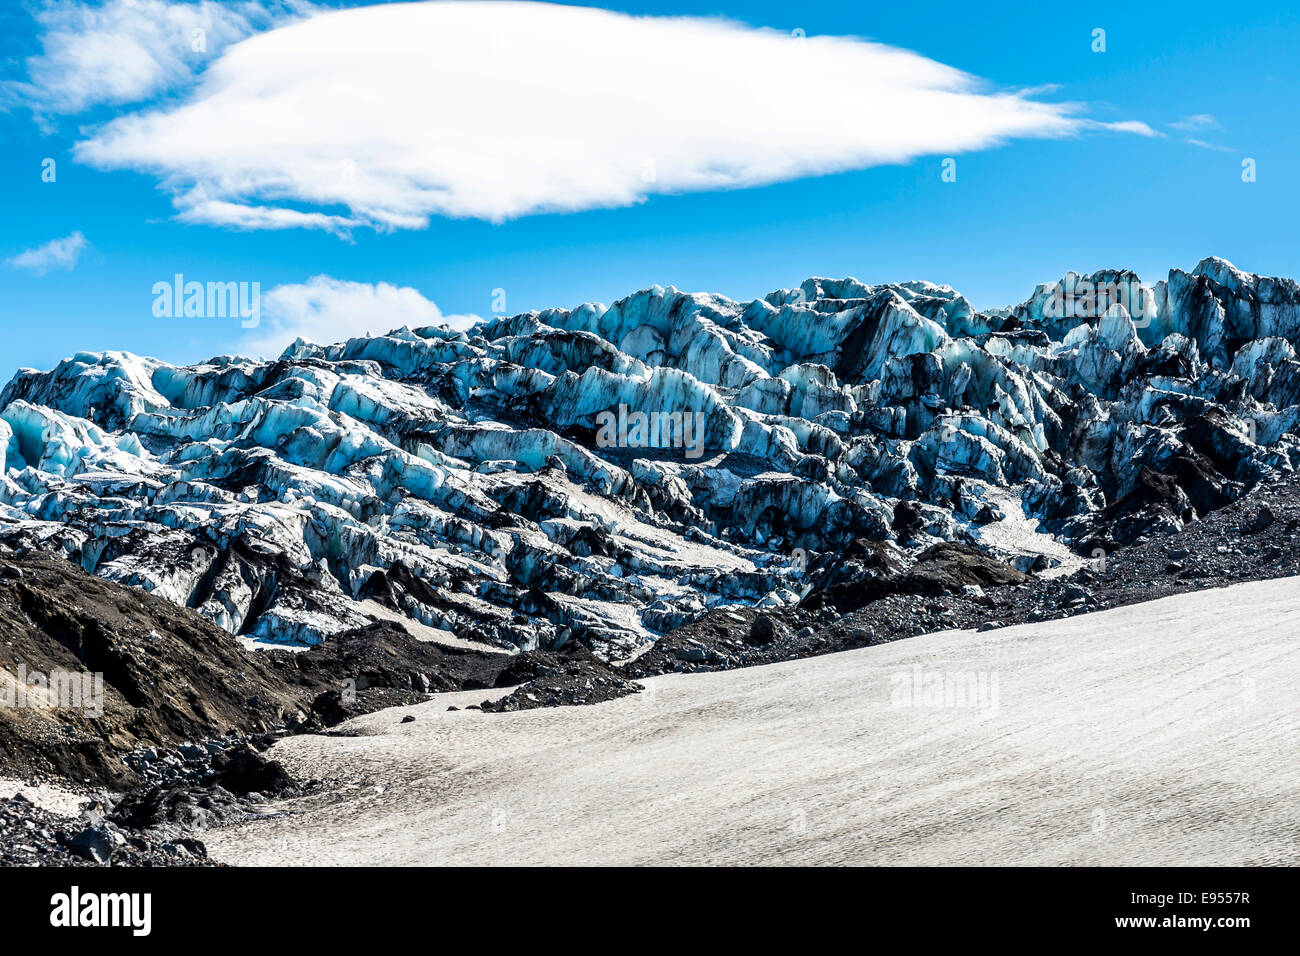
1156 734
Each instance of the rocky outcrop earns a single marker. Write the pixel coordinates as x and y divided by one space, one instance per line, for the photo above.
92 669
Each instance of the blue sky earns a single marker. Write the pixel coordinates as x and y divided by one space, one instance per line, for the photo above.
1019 213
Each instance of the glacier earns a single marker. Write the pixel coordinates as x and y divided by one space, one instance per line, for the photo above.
462 480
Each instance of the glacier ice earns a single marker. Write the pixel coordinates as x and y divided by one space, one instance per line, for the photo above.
462 479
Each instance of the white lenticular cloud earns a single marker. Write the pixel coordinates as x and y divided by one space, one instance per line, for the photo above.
124 51
55 254
386 115
327 310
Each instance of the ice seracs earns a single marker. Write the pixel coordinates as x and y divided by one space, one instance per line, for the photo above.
466 479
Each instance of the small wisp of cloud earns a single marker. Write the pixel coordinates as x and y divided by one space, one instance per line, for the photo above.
61 253
1193 141
1199 122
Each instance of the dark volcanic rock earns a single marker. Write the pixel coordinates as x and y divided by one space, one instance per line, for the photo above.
31 836
562 681
1264 517
381 665
169 812
242 770
95 844
766 629
530 665
947 567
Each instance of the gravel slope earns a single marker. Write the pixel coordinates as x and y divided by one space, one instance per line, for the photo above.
1153 734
